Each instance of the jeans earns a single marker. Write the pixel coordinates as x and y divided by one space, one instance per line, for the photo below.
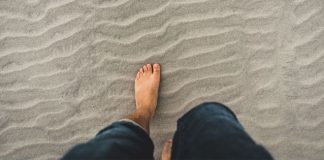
208 131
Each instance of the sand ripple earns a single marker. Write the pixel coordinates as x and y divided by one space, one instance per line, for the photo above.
67 69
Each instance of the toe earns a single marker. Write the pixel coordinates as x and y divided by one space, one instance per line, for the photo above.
149 68
145 68
156 68
138 75
141 72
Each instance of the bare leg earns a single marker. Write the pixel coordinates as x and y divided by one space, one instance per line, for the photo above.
147 83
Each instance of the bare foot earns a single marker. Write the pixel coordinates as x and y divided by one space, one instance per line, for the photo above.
166 153
147 83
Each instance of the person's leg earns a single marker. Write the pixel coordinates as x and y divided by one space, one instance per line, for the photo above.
127 138
146 93
212 131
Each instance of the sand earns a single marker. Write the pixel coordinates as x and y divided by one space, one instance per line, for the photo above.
67 69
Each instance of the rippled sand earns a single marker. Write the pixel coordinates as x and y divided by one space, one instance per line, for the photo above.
67 69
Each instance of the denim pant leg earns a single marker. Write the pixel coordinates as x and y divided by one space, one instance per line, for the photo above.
120 140
212 131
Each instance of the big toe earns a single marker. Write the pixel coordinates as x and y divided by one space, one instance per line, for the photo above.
156 69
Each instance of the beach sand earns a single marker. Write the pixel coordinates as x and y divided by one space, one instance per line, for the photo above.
67 69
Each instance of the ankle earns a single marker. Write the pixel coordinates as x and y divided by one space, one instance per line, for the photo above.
142 118
144 113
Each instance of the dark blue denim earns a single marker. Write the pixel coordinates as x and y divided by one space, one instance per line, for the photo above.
212 131
208 131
